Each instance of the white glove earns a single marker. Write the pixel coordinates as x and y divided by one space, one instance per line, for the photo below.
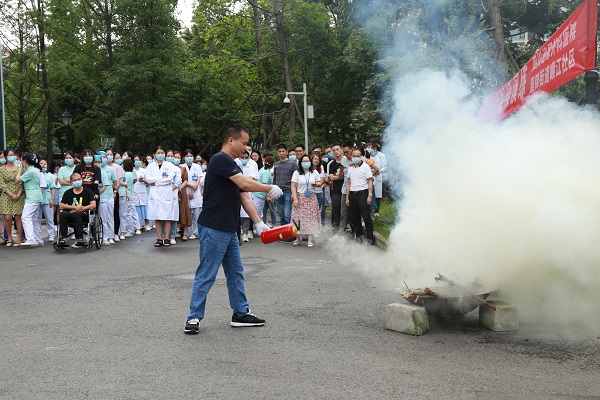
275 192
260 227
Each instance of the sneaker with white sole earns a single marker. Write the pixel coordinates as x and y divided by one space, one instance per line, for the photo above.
173 241
112 241
244 237
192 326
147 228
246 320
122 237
116 238
29 244
138 232
105 243
250 235
192 237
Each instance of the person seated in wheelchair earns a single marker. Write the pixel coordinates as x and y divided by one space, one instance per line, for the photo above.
75 205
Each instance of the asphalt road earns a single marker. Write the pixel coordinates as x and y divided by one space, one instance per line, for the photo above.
109 325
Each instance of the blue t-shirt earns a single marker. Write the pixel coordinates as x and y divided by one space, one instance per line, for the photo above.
221 205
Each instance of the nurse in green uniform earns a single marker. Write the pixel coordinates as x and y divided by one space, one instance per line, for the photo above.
29 176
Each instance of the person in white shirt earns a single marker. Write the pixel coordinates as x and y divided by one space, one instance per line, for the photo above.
250 171
381 161
140 193
47 207
194 191
359 195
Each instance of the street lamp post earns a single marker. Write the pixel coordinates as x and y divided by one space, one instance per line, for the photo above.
2 104
286 103
67 119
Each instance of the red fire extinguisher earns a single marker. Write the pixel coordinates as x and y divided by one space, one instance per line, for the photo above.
283 232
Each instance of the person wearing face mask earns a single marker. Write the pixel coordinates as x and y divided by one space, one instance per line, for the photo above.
381 161
195 182
120 208
133 224
305 211
121 198
3 235
75 205
359 195
90 173
248 170
29 176
64 173
47 206
140 194
12 200
319 189
260 198
185 215
173 234
110 184
282 177
162 204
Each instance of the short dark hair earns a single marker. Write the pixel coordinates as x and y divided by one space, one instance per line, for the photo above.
347 143
300 145
127 165
234 131
362 151
376 145
281 146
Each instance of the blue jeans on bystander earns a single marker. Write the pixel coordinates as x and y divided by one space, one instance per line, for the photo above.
284 207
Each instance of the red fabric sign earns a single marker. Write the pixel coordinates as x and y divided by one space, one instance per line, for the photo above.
566 55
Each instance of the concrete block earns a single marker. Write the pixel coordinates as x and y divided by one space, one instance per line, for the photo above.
504 319
406 318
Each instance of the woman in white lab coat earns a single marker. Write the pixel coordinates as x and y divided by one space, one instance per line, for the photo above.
163 206
194 191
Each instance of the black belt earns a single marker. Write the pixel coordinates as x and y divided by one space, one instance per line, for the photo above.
358 191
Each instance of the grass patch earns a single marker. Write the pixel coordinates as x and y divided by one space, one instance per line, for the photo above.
386 220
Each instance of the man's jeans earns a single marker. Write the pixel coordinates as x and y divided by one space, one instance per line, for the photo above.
284 207
216 248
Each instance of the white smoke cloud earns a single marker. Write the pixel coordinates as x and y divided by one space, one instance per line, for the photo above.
513 205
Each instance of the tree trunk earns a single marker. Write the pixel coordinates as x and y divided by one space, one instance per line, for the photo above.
259 55
498 36
46 130
284 60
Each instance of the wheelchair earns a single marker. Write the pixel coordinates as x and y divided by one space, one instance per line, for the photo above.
92 233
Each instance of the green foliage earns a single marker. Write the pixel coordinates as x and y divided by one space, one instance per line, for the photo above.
384 223
127 72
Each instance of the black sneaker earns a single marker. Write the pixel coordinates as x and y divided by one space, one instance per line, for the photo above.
192 326
246 320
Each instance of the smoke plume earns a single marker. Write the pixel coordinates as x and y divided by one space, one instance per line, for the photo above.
513 205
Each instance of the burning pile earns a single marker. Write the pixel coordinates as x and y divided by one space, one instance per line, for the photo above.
450 300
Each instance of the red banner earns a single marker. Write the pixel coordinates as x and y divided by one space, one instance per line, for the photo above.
566 55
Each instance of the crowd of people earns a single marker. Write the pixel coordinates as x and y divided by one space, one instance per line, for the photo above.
164 191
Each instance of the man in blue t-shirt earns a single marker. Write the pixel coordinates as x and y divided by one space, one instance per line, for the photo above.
225 189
